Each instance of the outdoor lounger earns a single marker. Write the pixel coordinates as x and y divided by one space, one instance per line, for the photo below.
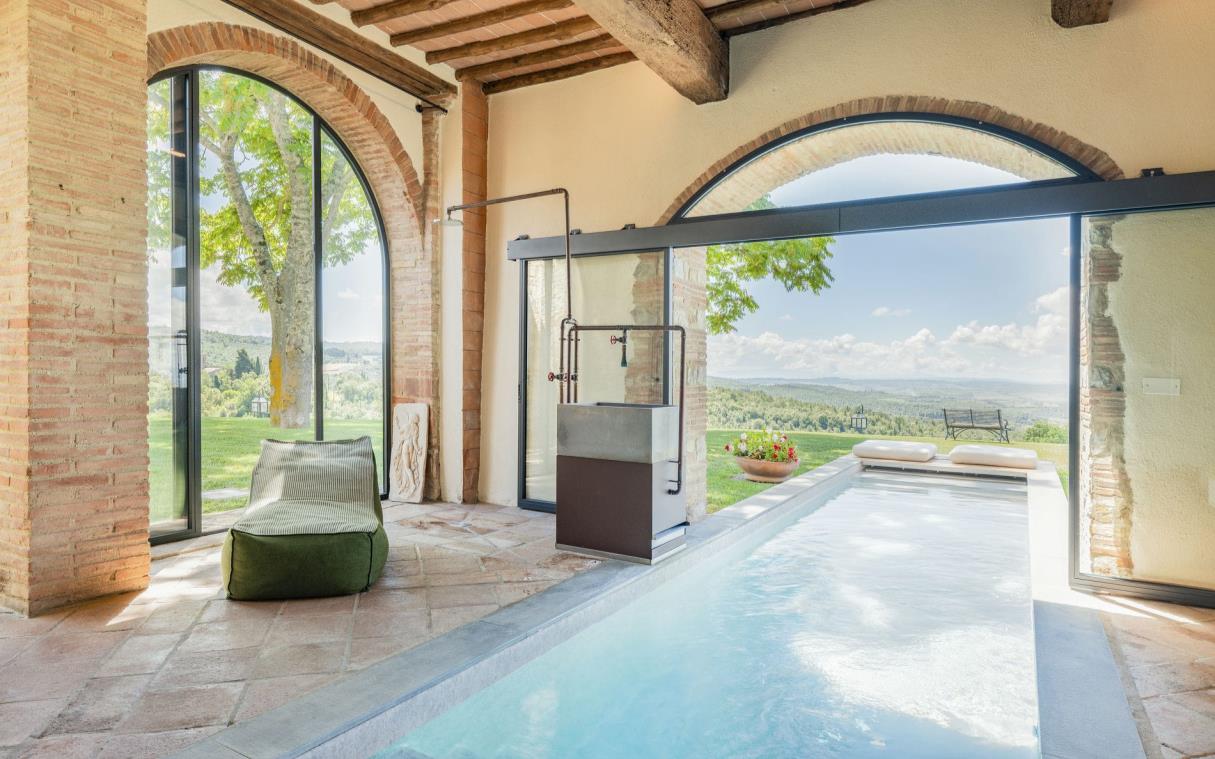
313 526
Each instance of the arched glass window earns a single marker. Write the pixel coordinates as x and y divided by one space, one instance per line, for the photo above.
266 291
882 156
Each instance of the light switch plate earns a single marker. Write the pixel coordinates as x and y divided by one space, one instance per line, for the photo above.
1161 386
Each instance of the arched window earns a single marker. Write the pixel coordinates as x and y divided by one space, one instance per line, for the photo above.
879 156
266 291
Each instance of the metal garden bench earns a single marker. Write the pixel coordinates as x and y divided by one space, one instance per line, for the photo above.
958 421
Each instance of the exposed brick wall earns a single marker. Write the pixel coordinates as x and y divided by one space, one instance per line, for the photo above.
1096 160
1104 486
351 113
431 240
474 160
689 305
74 409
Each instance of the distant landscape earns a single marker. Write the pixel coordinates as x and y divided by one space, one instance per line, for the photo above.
901 407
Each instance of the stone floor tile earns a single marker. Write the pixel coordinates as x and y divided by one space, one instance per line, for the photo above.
461 578
32 679
140 654
305 659
151 745
1184 722
108 614
206 668
448 619
101 704
58 647
460 595
86 746
307 606
453 564
509 593
10 648
379 624
1163 679
264 695
22 719
223 610
367 651
322 628
392 600
172 616
16 626
218 636
183 708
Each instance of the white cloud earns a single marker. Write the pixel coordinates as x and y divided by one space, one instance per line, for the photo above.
787 318
1054 302
881 311
348 294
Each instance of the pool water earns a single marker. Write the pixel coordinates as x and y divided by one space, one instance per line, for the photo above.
893 621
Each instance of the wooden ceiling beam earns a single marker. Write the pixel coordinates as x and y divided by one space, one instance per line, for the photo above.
547 55
674 38
393 10
771 22
1072 13
561 72
347 45
478 20
560 31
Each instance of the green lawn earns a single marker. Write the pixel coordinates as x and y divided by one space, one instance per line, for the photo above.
816 449
230 447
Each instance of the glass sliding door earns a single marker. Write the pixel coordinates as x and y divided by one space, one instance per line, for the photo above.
628 288
168 277
266 292
352 305
1146 491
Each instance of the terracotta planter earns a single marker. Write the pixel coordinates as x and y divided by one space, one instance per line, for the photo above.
766 471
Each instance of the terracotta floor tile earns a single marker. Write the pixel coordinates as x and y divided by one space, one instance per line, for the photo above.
14 626
367 651
446 620
101 704
140 654
173 616
392 600
379 624
63 747
183 708
459 578
1184 722
151 745
305 659
264 695
323 628
106 615
224 610
10 648
206 668
1163 679
19 721
460 595
453 564
218 636
309 606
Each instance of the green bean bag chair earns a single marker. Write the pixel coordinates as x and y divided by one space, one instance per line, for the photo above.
313 526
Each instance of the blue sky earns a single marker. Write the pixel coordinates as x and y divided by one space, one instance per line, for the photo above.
979 301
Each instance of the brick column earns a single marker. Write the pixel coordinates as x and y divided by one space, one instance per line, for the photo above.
73 310
432 241
689 304
475 118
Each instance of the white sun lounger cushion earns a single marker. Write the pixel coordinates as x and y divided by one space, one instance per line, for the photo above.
994 455
895 450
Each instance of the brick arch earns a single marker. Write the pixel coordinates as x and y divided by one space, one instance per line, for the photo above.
1086 155
375 147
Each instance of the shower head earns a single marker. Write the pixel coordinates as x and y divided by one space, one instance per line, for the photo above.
449 222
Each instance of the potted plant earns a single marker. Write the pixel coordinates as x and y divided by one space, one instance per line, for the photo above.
764 455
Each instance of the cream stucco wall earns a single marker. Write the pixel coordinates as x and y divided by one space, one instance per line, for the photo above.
1140 87
1165 315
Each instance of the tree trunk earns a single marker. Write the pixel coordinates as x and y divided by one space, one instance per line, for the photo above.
292 325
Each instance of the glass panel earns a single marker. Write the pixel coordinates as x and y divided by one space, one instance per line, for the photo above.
168 399
876 159
1147 393
618 289
257 281
352 305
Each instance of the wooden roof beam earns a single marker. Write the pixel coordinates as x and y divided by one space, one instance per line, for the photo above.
478 20
1072 13
547 55
674 38
395 9
560 72
561 31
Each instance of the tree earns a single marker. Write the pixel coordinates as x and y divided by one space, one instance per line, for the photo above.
797 264
243 365
257 219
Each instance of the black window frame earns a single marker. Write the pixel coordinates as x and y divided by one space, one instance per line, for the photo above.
186 101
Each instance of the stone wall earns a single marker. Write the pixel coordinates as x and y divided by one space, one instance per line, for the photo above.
73 315
1104 488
